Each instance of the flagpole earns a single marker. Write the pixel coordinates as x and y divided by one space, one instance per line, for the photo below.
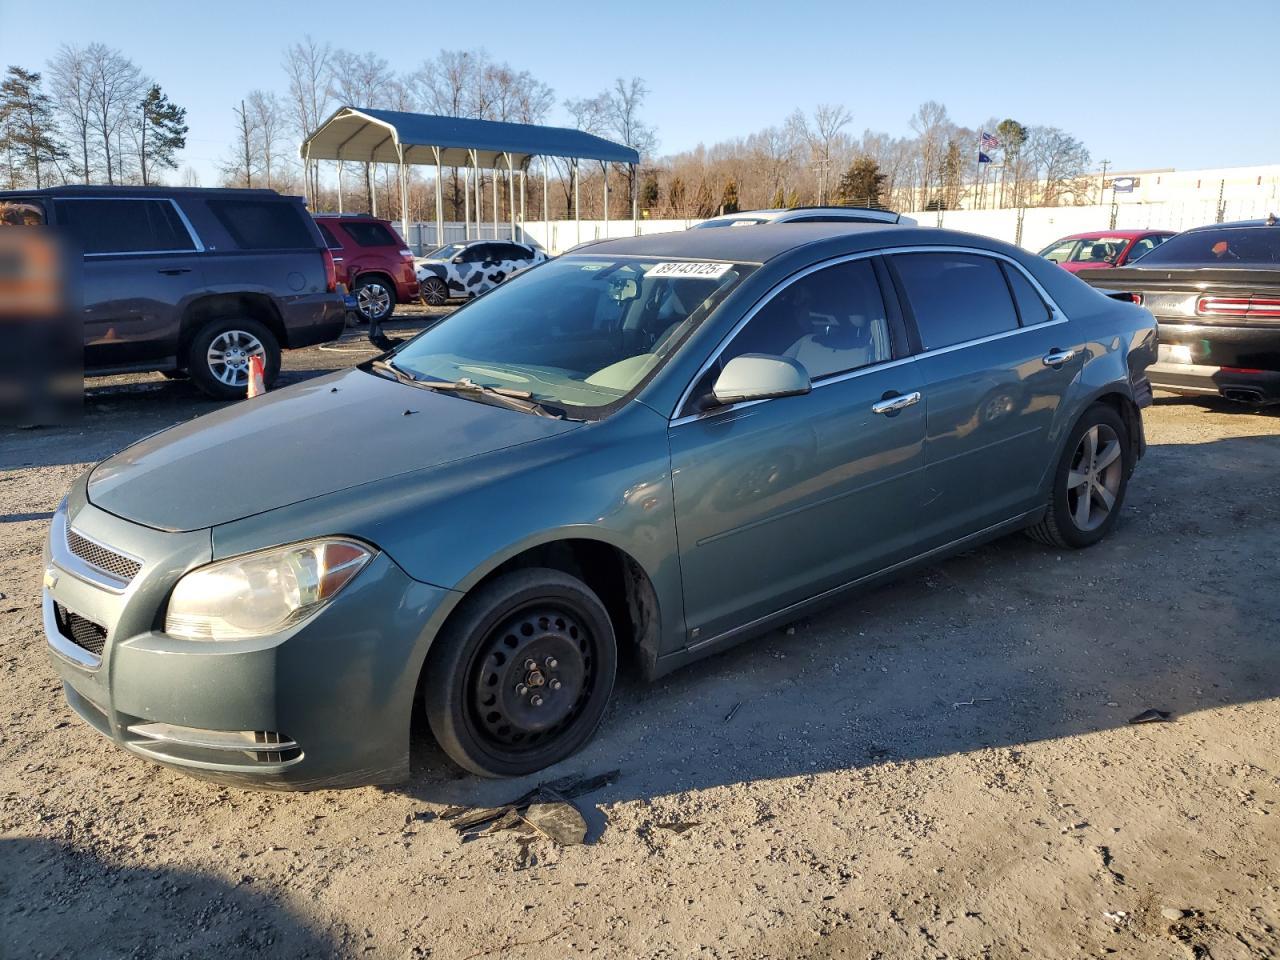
977 172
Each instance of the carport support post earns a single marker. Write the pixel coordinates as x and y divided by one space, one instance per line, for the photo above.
523 171
511 194
635 200
577 210
466 203
339 185
546 211
605 167
404 194
439 200
495 198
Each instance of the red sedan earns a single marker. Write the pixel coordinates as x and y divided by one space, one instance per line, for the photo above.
1096 251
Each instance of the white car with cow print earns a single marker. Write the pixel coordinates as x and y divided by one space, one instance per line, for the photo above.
468 269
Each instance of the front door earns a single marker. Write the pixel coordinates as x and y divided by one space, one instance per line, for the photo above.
781 500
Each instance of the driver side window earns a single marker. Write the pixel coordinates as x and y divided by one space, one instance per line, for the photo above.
832 321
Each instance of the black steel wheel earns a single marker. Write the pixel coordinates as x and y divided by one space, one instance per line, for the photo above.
434 291
521 674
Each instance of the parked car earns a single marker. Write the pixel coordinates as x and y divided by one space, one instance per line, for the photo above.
372 260
1101 251
469 268
193 282
663 445
1215 292
751 218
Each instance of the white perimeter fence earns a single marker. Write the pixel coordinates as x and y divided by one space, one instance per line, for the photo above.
1032 228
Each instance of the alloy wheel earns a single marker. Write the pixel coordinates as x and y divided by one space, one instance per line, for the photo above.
435 292
229 354
532 677
1093 482
373 300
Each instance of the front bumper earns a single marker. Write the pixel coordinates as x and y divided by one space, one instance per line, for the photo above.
326 704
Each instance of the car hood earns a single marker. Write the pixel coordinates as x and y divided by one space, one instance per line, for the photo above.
304 441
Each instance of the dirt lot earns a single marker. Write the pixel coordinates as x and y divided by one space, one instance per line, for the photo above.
942 768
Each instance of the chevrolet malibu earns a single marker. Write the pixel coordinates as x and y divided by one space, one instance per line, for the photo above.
656 447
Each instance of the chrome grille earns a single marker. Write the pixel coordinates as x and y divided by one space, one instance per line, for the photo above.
81 631
102 558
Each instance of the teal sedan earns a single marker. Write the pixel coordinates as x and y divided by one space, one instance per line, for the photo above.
658 445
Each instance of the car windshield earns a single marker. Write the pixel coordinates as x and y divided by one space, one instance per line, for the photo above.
447 252
579 334
1097 250
1220 247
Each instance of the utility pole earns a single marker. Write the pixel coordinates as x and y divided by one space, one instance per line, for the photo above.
1102 185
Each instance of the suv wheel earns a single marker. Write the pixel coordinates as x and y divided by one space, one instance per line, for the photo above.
1089 483
218 358
375 299
520 676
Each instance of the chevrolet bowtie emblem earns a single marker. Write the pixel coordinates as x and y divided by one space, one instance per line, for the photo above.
50 579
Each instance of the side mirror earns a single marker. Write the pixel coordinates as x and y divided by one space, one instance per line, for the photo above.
756 376
457 259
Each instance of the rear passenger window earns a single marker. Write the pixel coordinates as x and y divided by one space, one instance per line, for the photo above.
263 224
370 234
1031 309
124 226
956 297
831 321
330 240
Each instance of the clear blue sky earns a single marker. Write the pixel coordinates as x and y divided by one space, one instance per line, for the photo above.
1168 84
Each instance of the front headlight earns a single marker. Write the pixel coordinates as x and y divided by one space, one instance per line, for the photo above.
262 593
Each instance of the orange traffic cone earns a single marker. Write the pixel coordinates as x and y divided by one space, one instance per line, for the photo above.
256 387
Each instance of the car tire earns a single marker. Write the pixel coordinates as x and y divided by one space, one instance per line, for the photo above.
520 676
218 358
434 291
1095 465
375 299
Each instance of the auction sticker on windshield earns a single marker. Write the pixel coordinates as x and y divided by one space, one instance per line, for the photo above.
709 271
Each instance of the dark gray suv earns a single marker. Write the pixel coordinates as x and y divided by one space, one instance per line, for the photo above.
191 281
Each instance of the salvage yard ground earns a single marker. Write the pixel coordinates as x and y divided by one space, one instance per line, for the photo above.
941 768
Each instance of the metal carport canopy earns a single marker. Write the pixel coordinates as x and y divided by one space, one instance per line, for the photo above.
366 135
391 136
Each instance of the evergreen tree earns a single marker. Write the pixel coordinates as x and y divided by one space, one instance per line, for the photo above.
27 131
729 198
164 133
779 199
862 183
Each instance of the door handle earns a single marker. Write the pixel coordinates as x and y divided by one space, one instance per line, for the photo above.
894 404
174 271
1056 357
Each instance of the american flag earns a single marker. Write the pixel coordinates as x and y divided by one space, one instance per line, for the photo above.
989 141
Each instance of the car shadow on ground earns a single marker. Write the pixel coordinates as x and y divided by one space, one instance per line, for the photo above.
1007 644
62 901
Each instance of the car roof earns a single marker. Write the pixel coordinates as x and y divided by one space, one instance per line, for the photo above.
1269 222
759 246
1126 234
106 191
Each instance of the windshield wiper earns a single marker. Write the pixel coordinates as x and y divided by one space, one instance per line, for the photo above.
388 366
514 399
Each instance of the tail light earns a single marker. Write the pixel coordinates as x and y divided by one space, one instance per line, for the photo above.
1136 298
1247 307
407 254
330 272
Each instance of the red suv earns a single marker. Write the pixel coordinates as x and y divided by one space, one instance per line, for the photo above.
371 259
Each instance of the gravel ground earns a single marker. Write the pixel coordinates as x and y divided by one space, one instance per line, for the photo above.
940 768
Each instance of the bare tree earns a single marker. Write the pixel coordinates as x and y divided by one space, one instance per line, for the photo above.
117 86
242 162
932 126
828 121
306 64
1061 162
266 116
72 89
361 80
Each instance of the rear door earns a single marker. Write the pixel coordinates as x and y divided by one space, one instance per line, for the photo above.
781 500
995 360
140 266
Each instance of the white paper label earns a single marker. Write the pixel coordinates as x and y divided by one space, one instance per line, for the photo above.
707 271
